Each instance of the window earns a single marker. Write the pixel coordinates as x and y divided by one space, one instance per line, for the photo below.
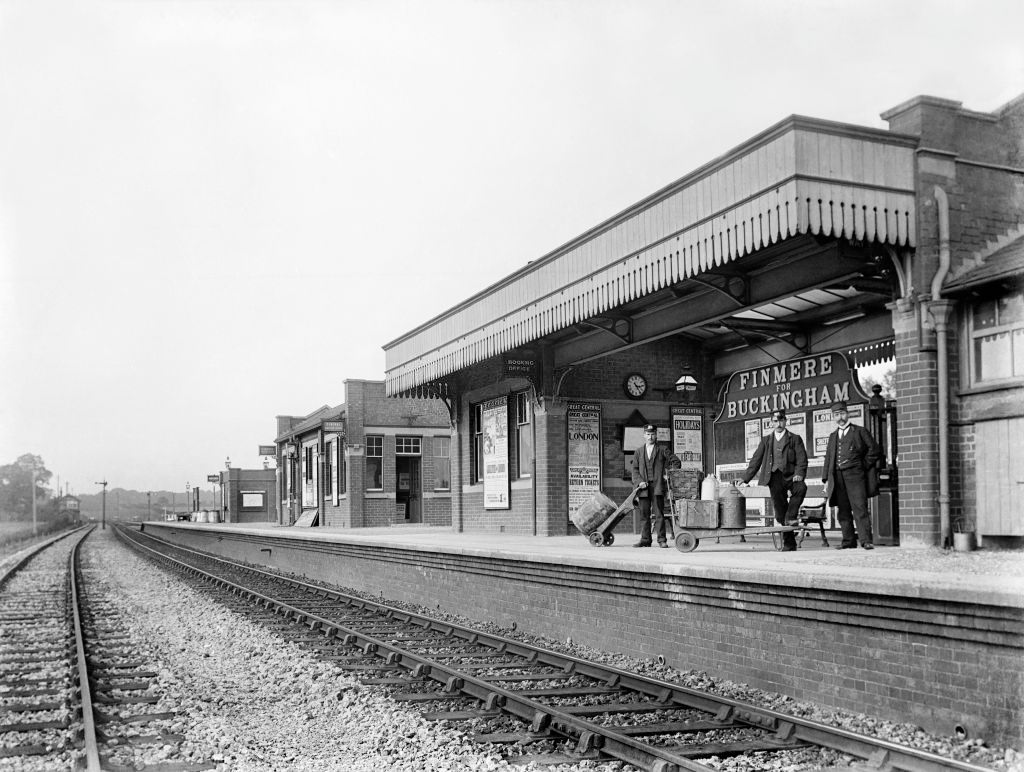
342 484
253 500
524 434
407 446
442 463
307 461
477 448
374 462
997 338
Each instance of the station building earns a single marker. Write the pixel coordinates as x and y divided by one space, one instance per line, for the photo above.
371 461
248 495
762 279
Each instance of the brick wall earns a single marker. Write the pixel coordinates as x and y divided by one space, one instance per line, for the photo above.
369 411
967 155
599 381
924 658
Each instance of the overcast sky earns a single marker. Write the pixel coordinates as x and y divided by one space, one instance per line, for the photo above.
212 213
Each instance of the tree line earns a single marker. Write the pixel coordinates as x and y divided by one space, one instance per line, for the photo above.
16 496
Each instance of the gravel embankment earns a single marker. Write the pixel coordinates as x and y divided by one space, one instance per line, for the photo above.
253 702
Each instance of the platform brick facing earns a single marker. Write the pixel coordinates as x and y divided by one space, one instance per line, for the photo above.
935 663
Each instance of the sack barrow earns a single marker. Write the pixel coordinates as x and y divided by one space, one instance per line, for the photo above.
602 536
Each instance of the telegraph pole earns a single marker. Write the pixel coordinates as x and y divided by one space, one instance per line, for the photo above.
149 505
35 525
103 525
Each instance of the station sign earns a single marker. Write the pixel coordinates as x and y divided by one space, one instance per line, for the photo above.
799 384
268 450
805 388
214 478
522 367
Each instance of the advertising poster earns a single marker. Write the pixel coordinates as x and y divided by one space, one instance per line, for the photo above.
797 424
688 437
823 426
584 453
856 413
495 441
752 433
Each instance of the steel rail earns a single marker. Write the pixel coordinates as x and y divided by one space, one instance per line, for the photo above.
31 552
92 752
541 717
882 753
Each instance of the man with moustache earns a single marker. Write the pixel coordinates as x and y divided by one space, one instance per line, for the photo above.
650 462
849 477
782 461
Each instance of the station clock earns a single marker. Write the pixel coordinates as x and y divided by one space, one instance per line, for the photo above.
635 386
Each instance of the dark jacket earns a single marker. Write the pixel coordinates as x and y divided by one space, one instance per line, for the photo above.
865 448
794 458
663 459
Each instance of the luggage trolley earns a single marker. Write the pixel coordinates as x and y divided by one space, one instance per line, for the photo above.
597 518
694 519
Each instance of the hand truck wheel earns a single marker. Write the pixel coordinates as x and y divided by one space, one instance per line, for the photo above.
596 538
686 541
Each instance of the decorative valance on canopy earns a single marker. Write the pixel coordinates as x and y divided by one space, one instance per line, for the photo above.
801 176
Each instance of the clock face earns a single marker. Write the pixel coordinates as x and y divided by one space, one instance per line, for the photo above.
635 385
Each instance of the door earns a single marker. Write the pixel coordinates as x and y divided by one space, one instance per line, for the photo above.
999 459
408 496
885 507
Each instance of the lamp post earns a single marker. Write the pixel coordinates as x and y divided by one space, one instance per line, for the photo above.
103 522
188 496
149 505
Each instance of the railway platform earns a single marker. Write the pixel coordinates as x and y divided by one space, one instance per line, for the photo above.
908 634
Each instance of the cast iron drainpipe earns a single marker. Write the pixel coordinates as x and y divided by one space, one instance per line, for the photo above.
942 364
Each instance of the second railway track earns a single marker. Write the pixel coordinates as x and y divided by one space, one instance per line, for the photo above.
513 693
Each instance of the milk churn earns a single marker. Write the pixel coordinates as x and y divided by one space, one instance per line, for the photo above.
733 507
709 488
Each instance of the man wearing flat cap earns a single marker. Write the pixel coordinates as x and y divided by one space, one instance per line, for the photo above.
780 462
650 462
849 477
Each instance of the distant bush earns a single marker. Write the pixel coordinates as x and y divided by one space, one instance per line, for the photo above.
14 533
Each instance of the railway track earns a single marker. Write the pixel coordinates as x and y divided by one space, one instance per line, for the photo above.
76 690
520 695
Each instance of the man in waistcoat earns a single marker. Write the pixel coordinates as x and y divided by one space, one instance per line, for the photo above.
780 462
650 462
849 477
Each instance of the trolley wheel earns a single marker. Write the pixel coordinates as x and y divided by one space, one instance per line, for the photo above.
596 538
609 539
686 541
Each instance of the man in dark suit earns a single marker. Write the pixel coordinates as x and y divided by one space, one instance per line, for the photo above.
849 477
780 462
650 461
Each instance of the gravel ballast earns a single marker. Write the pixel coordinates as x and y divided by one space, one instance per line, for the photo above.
250 701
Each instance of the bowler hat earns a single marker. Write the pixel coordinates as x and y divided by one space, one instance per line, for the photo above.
780 413
839 406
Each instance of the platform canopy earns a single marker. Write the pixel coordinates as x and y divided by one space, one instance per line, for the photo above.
779 197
